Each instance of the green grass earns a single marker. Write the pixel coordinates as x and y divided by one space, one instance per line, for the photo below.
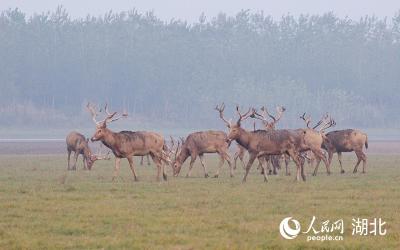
43 206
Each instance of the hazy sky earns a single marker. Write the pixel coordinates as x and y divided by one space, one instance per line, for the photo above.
190 10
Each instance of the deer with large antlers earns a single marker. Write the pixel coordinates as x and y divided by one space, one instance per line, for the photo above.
313 139
261 142
270 126
347 140
200 143
78 144
126 144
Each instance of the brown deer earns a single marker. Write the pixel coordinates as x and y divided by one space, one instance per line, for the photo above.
261 142
270 126
78 144
313 139
347 140
126 144
199 143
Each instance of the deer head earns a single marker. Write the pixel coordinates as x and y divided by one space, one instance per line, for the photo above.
98 156
263 116
175 150
234 128
101 126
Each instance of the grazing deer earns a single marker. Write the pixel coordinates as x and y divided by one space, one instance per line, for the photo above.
78 144
126 144
261 142
199 143
347 140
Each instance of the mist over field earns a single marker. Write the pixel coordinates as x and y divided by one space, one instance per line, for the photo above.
169 75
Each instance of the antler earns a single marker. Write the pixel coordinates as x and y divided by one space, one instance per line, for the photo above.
262 117
110 116
99 155
221 109
93 112
249 113
279 111
265 113
307 120
327 123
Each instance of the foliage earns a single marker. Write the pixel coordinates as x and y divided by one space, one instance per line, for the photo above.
177 71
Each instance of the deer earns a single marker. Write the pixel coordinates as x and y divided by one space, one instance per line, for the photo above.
313 139
347 140
260 143
126 144
78 144
198 144
240 152
270 126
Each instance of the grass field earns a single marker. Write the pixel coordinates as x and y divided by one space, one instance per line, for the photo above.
43 206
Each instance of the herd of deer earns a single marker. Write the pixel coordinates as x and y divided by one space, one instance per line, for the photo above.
268 145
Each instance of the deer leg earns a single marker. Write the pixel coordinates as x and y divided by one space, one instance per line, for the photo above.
241 157
75 160
225 156
303 175
130 160
84 162
259 166
192 160
330 156
364 159
249 164
165 177
339 155
69 157
264 169
287 159
228 159
141 161
316 167
148 160
160 167
300 169
116 168
204 166
235 160
359 158
268 160
274 164
221 163
320 155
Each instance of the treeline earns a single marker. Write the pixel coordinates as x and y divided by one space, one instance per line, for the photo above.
175 72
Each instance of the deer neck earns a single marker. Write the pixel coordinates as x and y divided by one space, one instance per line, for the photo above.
109 139
87 152
183 155
244 138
